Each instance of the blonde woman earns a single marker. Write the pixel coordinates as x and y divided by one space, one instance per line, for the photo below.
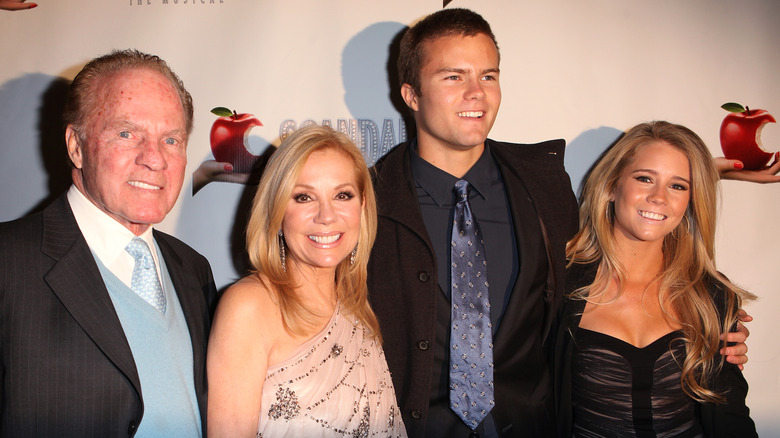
295 349
638 350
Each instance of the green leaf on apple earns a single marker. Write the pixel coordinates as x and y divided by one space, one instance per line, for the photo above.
733 107
222 111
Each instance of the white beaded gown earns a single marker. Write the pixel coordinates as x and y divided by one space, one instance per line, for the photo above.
336 384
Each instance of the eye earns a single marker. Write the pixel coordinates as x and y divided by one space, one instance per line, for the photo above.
681 187
345 195
644 178
301 197
124 134
452 78
490 77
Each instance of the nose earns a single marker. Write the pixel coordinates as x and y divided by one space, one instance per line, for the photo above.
474 89
325 213
150 155
657 195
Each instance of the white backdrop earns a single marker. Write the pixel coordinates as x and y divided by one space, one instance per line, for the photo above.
579 70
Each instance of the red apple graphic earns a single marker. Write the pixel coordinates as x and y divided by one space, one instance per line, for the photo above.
740 135
229 139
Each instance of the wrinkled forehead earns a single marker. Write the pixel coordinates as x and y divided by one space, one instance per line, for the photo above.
136 83
135 93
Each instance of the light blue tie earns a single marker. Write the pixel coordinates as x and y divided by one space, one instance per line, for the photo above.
145 281
471 337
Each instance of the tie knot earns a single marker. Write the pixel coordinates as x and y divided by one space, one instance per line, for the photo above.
462 190
139 250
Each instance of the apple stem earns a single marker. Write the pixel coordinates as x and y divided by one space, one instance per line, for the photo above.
747 110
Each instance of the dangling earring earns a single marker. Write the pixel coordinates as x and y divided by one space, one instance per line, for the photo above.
281 250
687 224
677 233
352 256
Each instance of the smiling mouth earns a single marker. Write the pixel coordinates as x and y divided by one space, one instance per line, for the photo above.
651 215
324 240
142 185
471 114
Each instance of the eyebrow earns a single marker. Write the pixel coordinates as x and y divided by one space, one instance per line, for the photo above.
656 173
465 70
338 187
128 124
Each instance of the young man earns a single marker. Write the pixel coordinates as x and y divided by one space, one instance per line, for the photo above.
522 200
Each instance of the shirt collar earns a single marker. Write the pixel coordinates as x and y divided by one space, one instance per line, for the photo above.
438 183
106 237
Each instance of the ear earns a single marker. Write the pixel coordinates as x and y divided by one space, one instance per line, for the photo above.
74 146
409 96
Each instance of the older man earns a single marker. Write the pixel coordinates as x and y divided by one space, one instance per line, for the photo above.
104 320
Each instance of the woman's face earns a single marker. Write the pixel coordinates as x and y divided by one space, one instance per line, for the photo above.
652 193
322 222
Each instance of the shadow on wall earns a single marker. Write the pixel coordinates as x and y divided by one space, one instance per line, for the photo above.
585 151
369 70
34 169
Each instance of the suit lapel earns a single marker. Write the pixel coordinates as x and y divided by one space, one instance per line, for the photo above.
192 303
76 280
396 196
517 169
192 299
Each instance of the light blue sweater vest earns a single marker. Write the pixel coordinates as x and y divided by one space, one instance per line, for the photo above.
162 350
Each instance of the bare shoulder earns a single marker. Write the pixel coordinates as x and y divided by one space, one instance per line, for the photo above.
248 304
241 338
248 292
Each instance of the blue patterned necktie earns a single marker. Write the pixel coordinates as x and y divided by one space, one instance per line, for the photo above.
145 281
471 337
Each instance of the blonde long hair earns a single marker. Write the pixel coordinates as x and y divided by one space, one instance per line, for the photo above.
689 256
265 220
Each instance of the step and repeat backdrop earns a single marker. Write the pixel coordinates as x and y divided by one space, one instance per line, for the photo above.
584 71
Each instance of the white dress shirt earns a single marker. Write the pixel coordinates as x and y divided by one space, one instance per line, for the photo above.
107 238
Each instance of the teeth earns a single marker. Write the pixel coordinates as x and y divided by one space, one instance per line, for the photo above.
325 239
142 185
476 114
651 215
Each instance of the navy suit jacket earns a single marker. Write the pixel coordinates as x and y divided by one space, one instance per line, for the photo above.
65 363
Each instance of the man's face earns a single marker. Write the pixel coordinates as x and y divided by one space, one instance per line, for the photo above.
131 164
459 92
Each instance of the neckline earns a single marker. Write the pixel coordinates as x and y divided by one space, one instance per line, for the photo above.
306 348
649 346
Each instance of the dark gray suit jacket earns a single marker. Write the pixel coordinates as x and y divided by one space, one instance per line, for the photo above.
65 364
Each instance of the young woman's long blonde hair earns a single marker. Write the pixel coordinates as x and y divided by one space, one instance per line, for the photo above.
689 259
265 221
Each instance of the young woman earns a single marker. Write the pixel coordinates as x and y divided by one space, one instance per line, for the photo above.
295 349
637 353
